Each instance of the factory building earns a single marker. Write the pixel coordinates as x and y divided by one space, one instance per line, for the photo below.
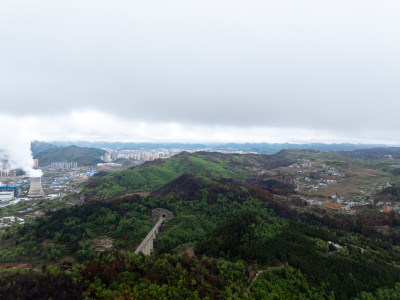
6 196
14 189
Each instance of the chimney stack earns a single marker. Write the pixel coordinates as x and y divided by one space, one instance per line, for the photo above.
35 190
36 163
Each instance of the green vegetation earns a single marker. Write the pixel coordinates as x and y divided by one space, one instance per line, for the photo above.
126 221
48 153
245 236
72 231
224 221
37 147
113 275
235 235
286 282
153 175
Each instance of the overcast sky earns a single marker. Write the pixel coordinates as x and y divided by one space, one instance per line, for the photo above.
266 71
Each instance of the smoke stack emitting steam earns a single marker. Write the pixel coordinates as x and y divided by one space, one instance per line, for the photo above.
16 154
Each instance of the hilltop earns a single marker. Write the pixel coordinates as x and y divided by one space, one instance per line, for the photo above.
49 153
152 175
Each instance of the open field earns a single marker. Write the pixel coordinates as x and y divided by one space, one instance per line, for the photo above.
327 176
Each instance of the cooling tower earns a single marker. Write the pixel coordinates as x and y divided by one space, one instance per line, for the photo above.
35 190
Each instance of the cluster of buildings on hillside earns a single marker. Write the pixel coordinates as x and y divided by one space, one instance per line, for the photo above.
307 182
139 155
314 180
8 221
153 154
303 164
356 204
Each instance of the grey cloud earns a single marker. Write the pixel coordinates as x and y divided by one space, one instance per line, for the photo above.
309 64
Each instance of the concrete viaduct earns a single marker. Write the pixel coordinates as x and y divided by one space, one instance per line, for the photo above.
160 216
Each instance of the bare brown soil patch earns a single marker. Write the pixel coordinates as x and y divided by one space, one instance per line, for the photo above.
132 195
17 265
190 252
102 244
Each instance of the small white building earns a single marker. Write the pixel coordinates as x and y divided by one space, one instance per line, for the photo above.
6 196
53 196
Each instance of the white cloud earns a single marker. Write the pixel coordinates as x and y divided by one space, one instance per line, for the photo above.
98 126
202 70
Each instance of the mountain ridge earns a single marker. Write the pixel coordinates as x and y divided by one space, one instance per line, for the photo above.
48 153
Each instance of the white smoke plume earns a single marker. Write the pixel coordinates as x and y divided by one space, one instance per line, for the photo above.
15 151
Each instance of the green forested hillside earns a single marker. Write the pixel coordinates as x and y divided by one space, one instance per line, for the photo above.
37 147
234 236
152 175
48 153
235 231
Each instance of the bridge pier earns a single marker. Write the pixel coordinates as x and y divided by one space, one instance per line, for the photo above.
160 216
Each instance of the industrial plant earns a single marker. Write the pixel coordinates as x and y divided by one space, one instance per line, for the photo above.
11 185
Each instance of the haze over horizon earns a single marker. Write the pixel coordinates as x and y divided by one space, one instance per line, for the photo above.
200 71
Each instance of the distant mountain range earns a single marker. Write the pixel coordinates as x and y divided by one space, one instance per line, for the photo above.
88 153
261 148
373 153
48 153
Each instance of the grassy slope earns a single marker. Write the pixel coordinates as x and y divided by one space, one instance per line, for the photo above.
153 175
